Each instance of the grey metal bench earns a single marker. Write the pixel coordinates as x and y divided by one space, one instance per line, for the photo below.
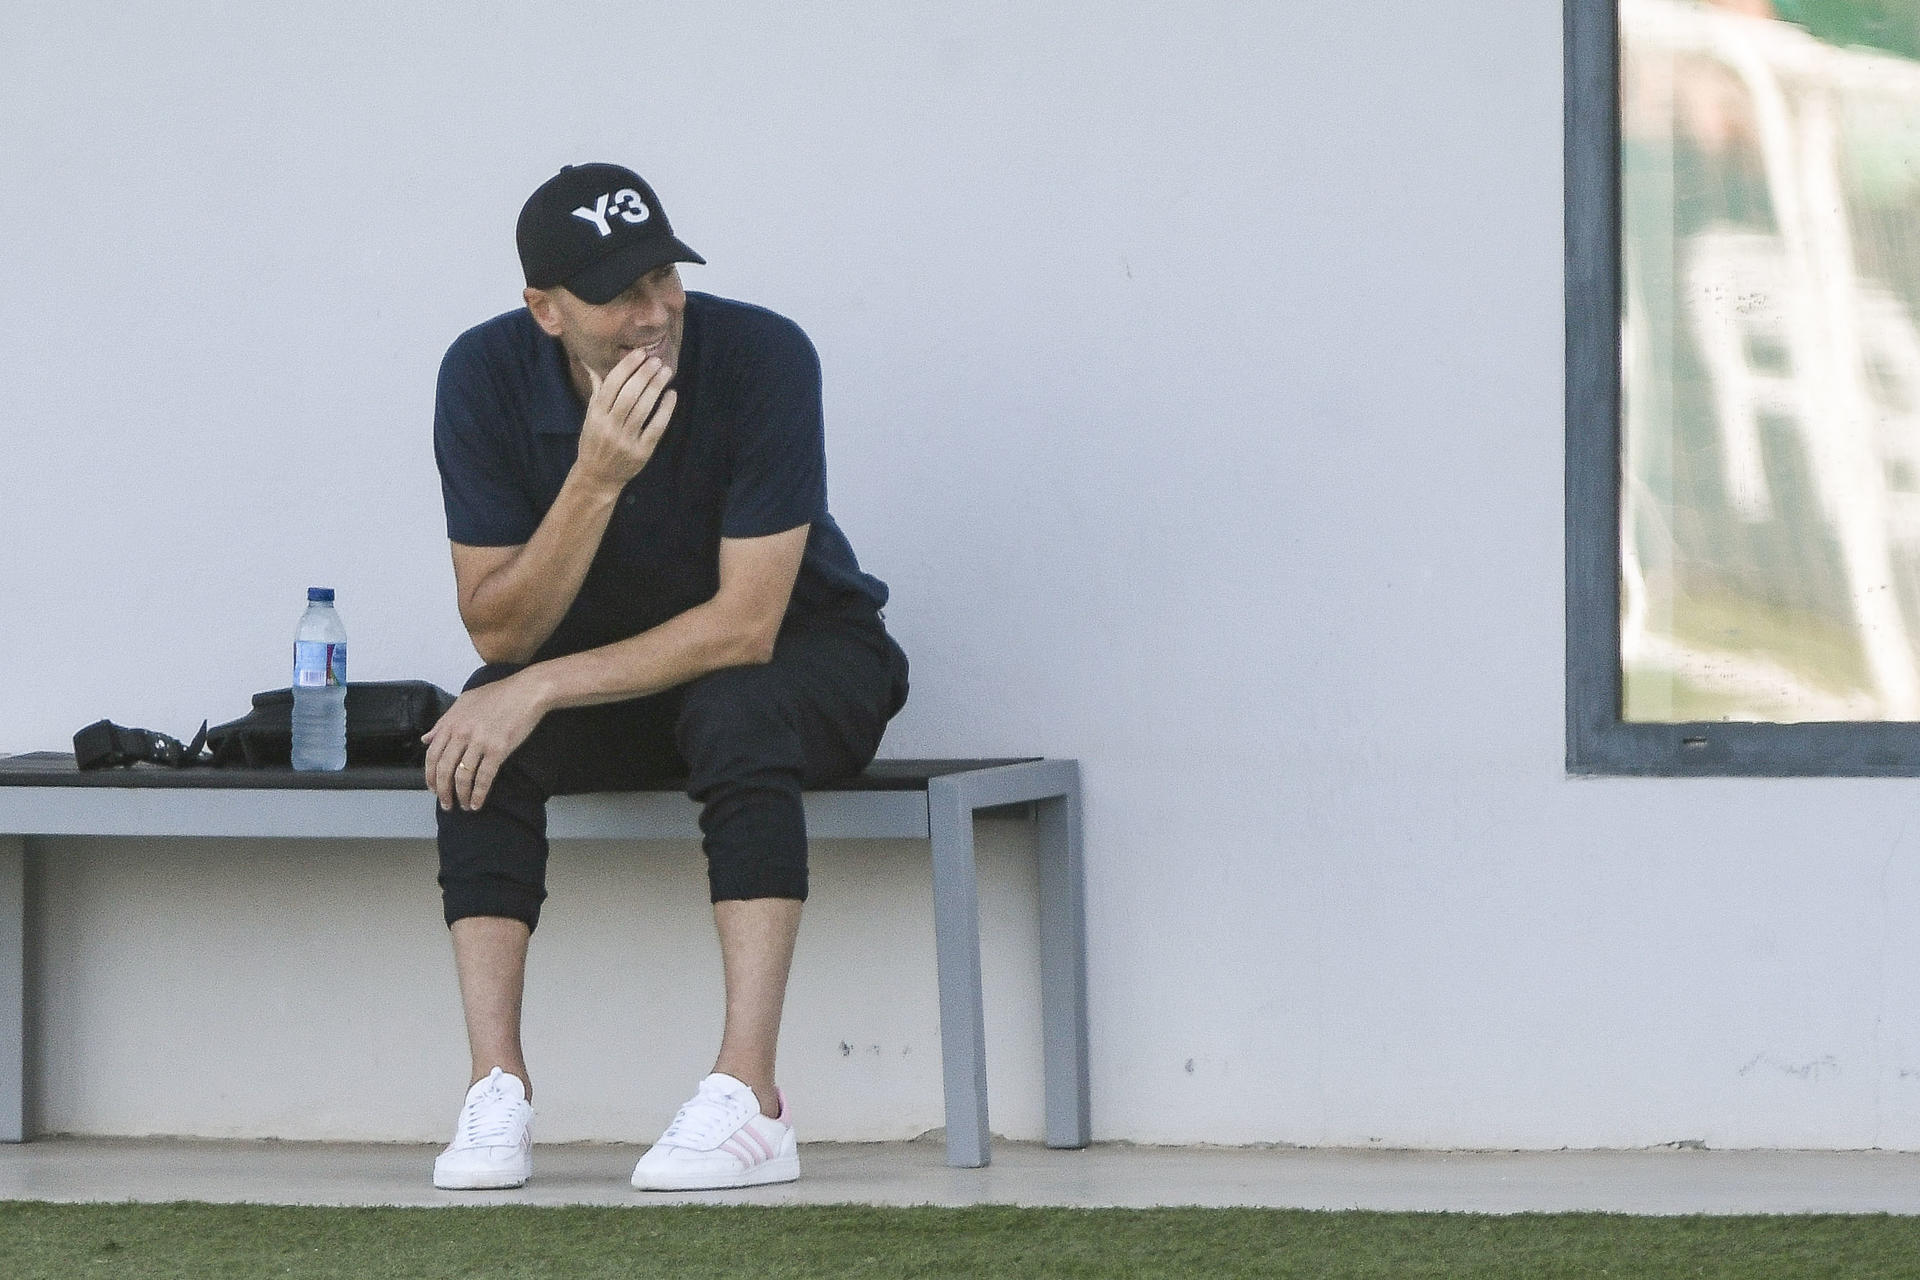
42 794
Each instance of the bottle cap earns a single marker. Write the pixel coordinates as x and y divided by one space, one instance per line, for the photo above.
320 593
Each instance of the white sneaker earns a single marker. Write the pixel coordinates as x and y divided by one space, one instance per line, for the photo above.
720 1139
493 1141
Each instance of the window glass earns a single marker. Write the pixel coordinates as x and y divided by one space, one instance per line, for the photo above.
1770 360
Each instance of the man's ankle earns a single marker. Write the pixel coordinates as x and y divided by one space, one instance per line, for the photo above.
526 1082
764 1091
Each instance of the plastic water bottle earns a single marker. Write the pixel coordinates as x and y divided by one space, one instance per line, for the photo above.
320 685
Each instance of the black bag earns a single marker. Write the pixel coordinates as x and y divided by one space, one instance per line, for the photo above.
385 719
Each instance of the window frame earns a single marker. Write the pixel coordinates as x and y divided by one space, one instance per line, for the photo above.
1599 740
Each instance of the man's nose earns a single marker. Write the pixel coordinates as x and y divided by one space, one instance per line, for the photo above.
649 310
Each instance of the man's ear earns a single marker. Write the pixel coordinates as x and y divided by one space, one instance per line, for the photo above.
546 313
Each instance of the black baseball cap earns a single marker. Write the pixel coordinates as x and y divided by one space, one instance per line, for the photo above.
595 228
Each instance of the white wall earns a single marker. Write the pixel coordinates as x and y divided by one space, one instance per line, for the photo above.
231 988
1193 377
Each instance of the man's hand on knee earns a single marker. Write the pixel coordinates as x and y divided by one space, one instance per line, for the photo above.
466 749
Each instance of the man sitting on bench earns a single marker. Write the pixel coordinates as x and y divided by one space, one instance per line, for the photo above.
635 487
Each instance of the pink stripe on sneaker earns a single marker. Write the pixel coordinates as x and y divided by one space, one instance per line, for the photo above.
750 1133
740 1151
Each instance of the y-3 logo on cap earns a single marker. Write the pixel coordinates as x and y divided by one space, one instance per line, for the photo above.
625 204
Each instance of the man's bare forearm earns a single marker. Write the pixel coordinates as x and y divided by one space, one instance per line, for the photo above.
737 627
515 608
511 612
686 646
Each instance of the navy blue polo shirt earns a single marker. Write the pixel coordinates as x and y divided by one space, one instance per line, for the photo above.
744 456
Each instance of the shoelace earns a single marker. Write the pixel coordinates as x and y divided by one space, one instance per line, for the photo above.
707 1118
488 1116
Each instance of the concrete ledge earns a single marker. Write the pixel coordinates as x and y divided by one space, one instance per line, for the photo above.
905 1173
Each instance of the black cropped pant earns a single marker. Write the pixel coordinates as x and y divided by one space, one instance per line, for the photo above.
745 739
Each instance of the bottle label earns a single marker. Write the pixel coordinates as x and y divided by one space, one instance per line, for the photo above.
317 664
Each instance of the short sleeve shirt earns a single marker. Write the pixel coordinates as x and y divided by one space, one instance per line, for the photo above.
743 456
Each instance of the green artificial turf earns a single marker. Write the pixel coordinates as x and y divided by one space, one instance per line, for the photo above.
210 1241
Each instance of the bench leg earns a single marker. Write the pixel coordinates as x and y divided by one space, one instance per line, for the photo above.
1063 968
956 930
13 988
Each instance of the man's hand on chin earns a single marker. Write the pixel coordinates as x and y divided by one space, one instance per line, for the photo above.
480 730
